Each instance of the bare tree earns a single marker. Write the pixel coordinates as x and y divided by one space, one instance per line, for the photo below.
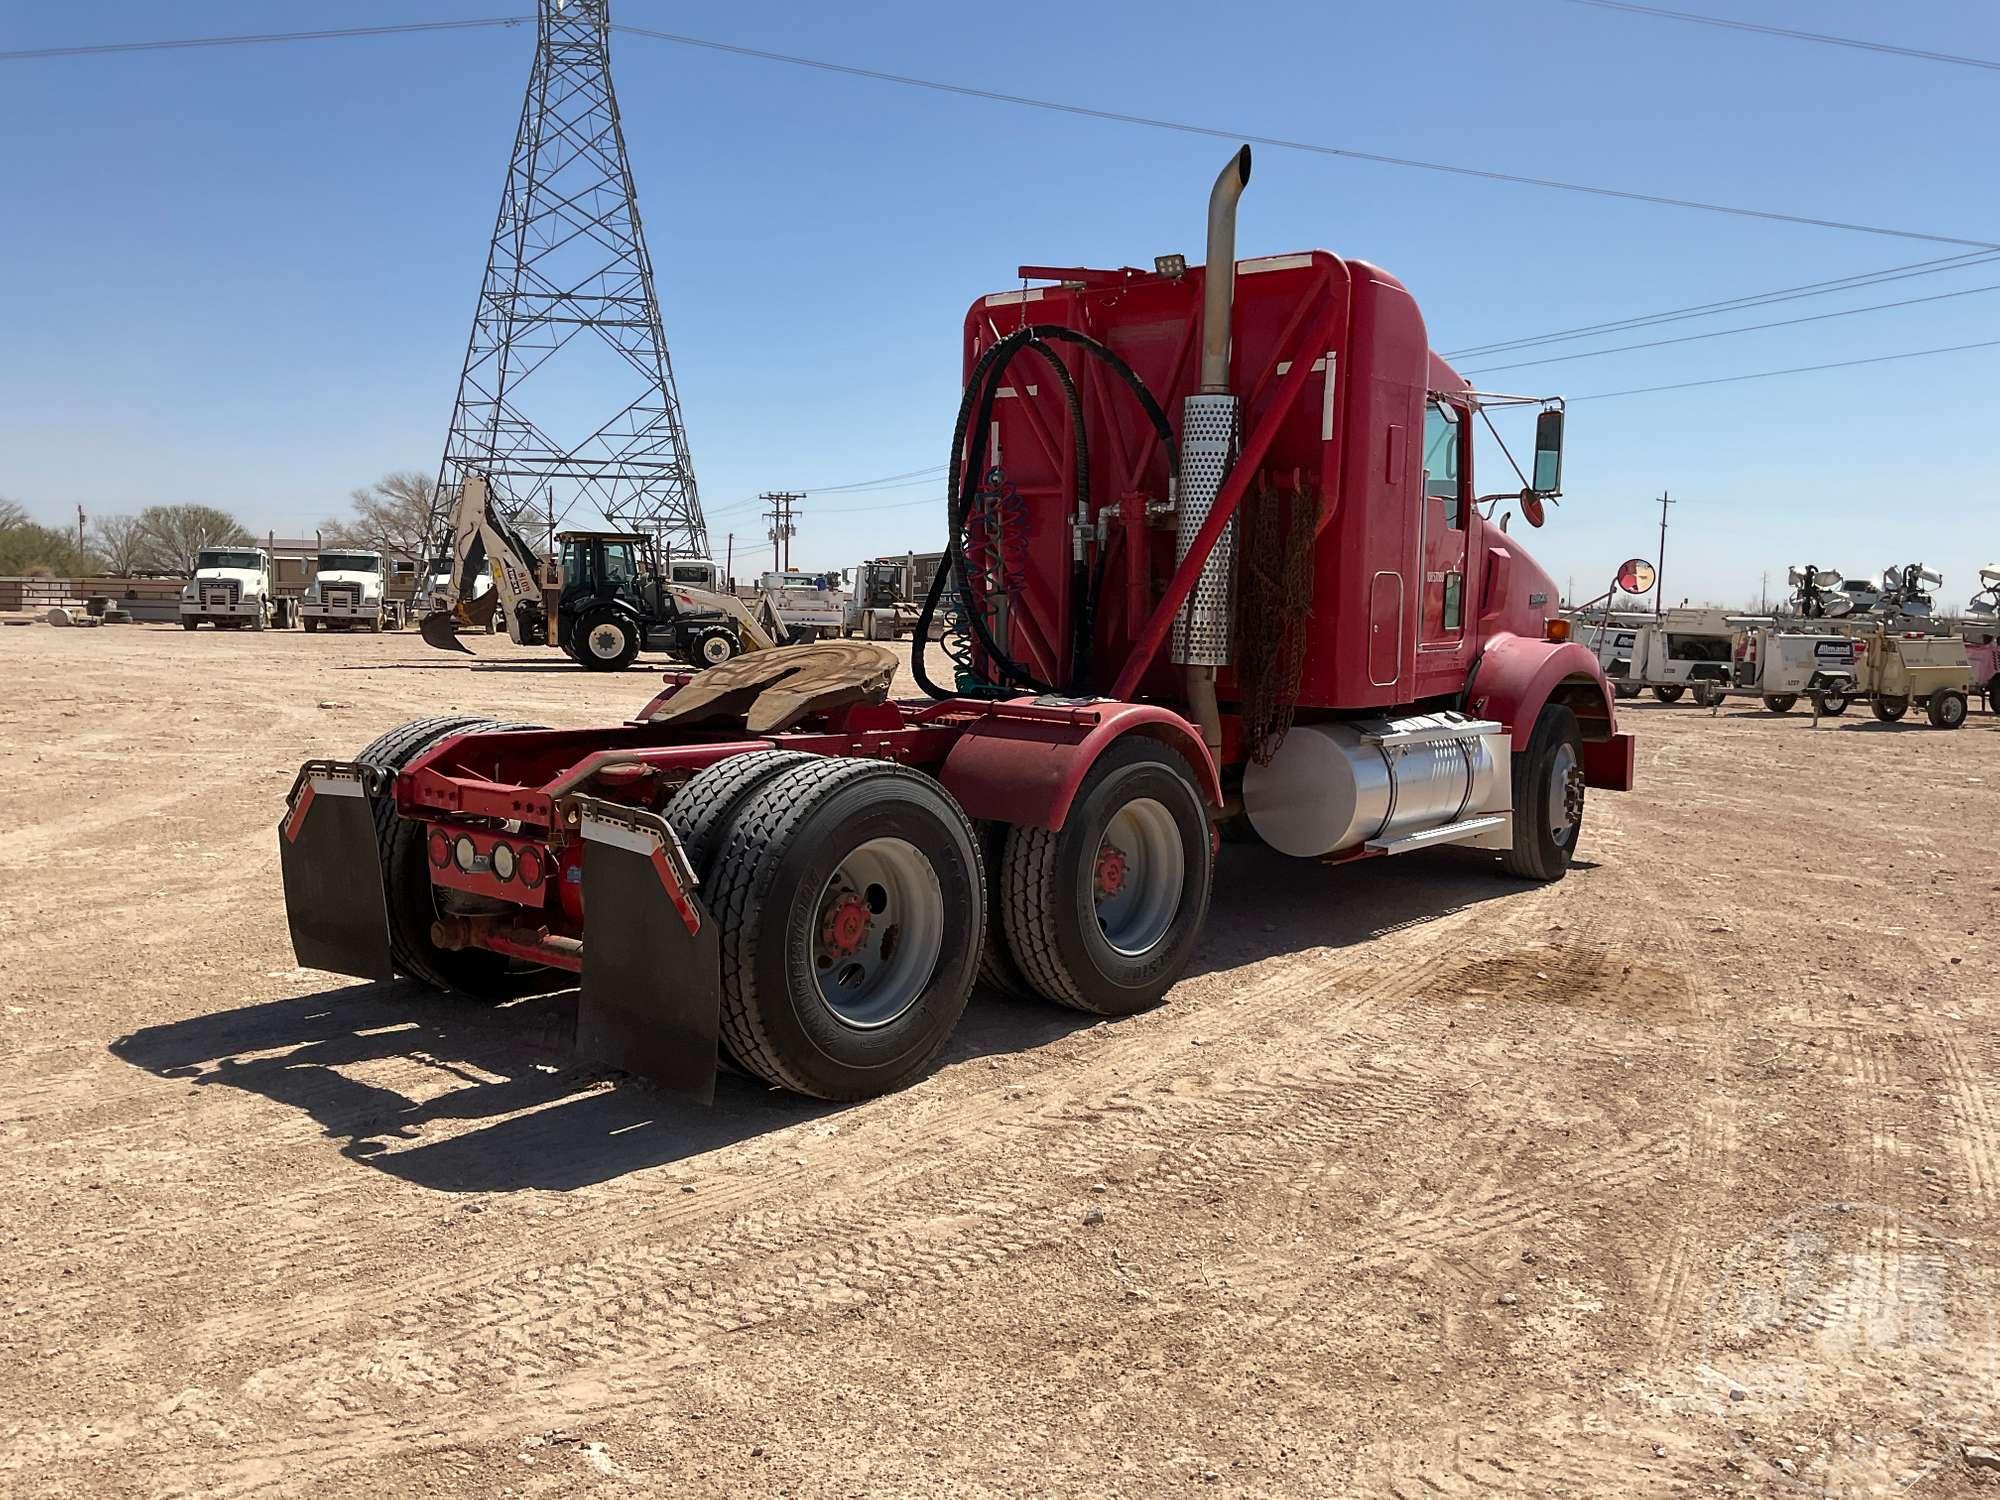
391 516
35 550
176 534
121 542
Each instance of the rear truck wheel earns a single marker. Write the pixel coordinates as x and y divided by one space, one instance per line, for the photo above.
702 811
850 902
1548 797
715 646
1946 709
411 899
996 961
189 622
1669 694
1889 710
1781 703
1830 705
1103 914
312 623
606 640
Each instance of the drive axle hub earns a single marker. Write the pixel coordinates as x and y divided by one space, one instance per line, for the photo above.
1110 871
845 927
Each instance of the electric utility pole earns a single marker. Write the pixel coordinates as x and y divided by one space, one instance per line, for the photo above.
1660 569
783 527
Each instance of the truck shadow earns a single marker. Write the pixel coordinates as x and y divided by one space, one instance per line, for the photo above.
463 1097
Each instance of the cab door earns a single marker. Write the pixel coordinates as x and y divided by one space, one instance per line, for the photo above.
1441 531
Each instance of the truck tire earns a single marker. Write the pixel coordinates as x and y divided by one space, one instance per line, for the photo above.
606 640
1670 694
1993 694
312 623
850 901
715 646
189 622
1829 704
1622 691
1946 709
262 619
1548 797
702 811
1781 703
1103 914
996 960
406 879
1889 710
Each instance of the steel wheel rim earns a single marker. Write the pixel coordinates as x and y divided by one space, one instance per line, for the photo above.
1136 876
1565 795
715 650
605 641
870 977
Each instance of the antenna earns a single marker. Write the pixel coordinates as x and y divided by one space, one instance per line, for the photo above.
567 307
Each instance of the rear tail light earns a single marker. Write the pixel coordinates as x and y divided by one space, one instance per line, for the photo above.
464 853
440 847
503 861
530 866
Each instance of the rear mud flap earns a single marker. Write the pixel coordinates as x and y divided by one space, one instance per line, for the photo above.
652 968
332 868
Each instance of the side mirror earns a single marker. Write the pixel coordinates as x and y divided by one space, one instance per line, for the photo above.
1549 452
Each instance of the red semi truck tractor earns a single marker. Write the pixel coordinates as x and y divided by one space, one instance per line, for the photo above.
1216 561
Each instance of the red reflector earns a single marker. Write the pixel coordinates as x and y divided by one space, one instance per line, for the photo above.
440 848
529 866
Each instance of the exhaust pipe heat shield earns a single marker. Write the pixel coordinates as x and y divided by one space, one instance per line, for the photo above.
332 870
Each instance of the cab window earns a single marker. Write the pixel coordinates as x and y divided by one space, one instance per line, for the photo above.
1441 450
618 564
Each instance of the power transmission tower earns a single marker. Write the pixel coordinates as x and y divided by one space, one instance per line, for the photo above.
783 528
567 312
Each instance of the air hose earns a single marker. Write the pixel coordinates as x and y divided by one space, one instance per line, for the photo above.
967 470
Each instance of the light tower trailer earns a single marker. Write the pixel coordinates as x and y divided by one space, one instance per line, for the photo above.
1683 649
1899 668
811 880
1780 663
1981 632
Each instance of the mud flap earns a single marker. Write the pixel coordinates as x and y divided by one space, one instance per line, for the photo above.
332 868
652 968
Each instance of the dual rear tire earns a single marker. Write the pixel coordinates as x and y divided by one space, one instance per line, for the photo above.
856 906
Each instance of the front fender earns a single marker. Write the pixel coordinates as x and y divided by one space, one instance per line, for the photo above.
1517 675
1025 767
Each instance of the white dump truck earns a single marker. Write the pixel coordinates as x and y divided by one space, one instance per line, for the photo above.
232 589
811 606
346 593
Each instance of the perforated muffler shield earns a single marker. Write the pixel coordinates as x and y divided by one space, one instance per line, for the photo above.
1208 448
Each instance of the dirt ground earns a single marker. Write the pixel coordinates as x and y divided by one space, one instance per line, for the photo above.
1680 1177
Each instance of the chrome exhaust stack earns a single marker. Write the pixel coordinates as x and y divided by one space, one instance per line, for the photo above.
1209 428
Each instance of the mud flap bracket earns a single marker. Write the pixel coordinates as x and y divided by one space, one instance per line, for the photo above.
651 1002
332 867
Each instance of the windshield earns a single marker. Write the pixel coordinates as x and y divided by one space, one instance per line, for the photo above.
249 561
691 572
349 562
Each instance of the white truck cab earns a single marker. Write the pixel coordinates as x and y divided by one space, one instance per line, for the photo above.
695 572
231 589
346 592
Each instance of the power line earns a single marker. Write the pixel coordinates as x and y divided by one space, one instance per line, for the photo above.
246 39
1721 333
1184 127
1839 364
1734 304
1798 36
1024 101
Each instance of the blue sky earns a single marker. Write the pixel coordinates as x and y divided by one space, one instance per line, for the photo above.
245 275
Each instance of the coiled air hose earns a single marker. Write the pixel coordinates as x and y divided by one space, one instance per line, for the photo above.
975 415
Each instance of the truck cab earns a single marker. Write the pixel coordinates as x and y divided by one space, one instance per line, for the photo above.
231 589
346 592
